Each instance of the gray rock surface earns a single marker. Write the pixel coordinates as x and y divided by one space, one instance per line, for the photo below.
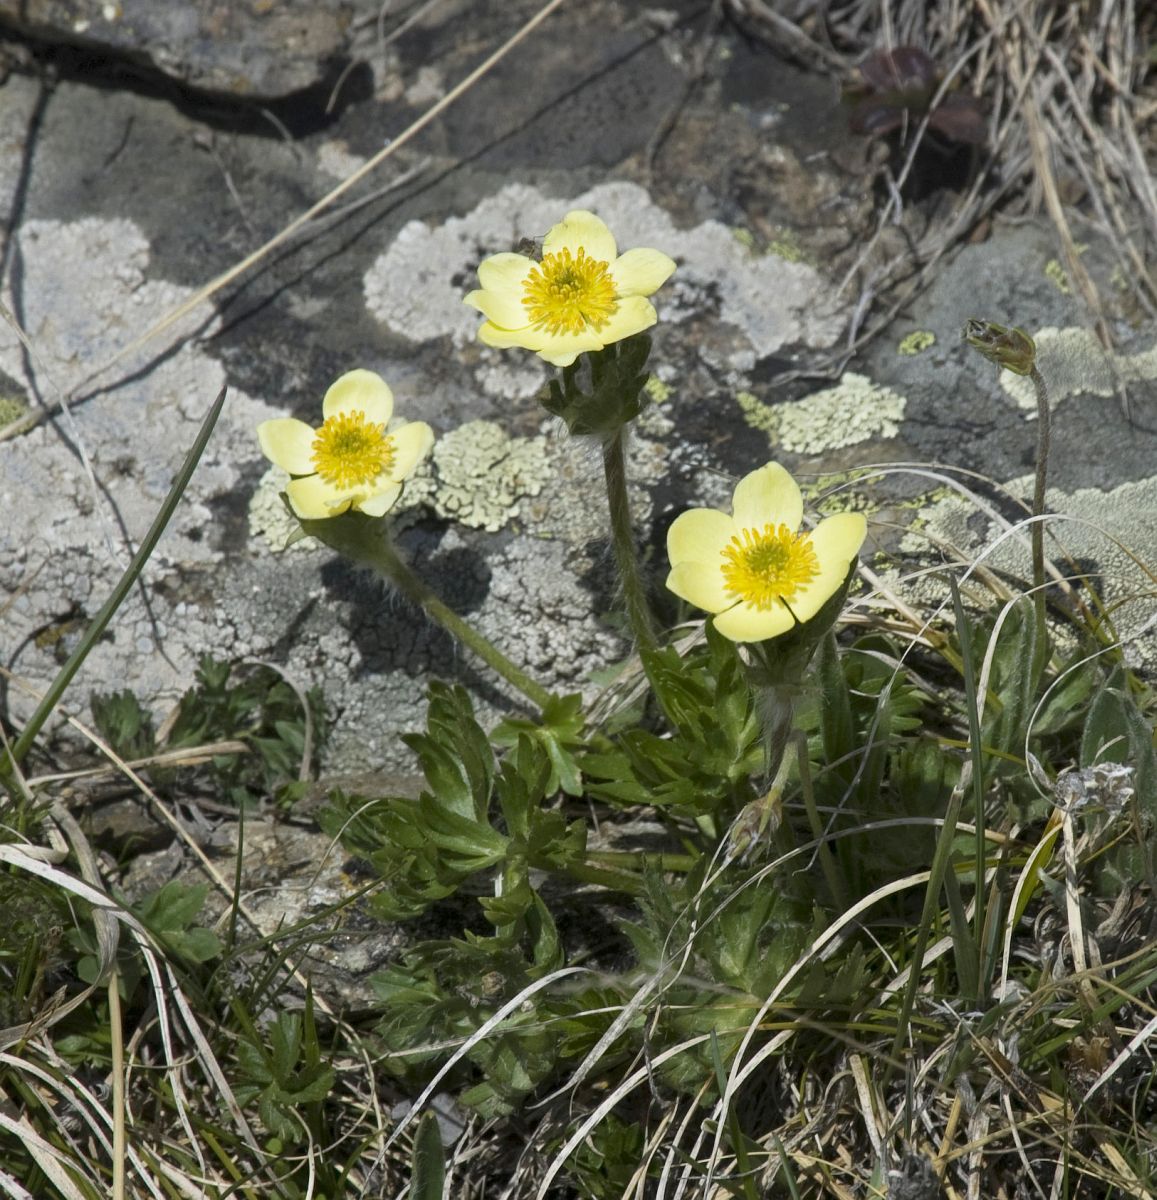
258 49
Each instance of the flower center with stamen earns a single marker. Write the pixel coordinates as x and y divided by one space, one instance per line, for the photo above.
769 565
567 295
349 450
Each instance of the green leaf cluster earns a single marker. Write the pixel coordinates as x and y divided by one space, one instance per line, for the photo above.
284 1070
252 704
476 814
701 760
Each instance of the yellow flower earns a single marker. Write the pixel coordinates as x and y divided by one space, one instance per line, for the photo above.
756 570
350 461
582 296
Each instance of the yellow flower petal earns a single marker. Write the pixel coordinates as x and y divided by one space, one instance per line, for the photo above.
836 541
699 535
632 315
313 499
746 624
700 584
360 391
379 503
503 339
641 272
768 496
287 443
503 309
412 442
561 349
505 272
580 228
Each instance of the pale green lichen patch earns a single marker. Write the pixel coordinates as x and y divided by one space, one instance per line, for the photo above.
1058 276
658 391
1073 361
855 410
787 247
838 491
12 408
916 342
757 414
479 474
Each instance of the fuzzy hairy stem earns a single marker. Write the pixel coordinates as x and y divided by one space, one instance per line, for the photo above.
623 539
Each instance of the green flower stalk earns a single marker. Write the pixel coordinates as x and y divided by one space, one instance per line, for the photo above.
1015 351
367 541
349 473
616 396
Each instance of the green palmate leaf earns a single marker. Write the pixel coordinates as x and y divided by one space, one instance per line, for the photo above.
605 1166
455 753
705 761
445 991
841 983
560 735
282 1071
425 849
123 723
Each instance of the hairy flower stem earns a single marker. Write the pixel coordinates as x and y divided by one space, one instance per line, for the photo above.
1038 501
365 541
399 574
623 538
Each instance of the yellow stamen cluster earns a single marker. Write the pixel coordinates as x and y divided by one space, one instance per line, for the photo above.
763 567
567 295
349 451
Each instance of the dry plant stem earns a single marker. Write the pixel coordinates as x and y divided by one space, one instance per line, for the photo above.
1038 501
116 1031
385 560
623 539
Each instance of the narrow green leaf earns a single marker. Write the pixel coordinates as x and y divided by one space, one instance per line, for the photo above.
428 1164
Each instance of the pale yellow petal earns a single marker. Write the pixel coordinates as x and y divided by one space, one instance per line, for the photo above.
360 391
743 623
836 541
632 315
314 499
699 535
505 273
504 309
562 349
581 229
701 585
641 272
379 503
288 444
768 496
528 338
412 442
